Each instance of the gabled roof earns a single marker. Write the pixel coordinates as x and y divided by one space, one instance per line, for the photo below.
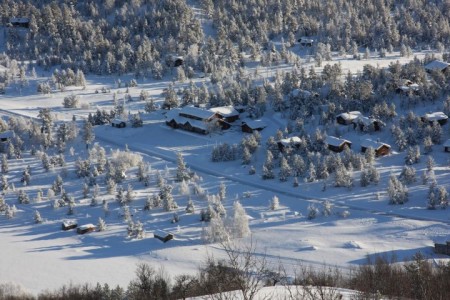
7 134
86 226
350 115
435 116
161 233
436 65
447 143
334 141
288 141
254 124
366 143
225 111
196 112
367 121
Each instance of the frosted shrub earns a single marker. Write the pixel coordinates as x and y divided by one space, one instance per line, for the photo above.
327 208
344 214
183 188
313 211
125 159
274 203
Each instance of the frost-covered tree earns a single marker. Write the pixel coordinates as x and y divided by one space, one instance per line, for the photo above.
412 155
182 171
88 133
57 185
167 200
370 155
430 163
129 196
190 208
432 198
101 226
23 197
111 186
4 183
427 145
120 196
222 191
285 169
239 221
313 211
37 217
408 175
5 167
105 208
442 197
274 203
398 193
216 231
311 174
327 208
142 170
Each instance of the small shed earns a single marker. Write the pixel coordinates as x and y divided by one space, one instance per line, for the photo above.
69 224
439 117
381 149
447 146
226 113
347 118
337 144
85 228
250 126
305 41
442 248
163 235
5 136
437 65
118 123
289 142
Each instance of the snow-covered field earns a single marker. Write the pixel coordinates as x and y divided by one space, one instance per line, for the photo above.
42 256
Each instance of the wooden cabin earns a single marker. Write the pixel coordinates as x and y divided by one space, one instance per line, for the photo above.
347 118
436 65
250 126
439 117
163 236
6 136
442 248
381 149
226 113
289 143
306 42
367 123
118 123
337 144
85 228
69 224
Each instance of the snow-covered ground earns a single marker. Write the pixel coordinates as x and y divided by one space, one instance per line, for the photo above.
43 256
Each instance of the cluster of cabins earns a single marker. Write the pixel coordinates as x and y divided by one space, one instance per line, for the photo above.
202 121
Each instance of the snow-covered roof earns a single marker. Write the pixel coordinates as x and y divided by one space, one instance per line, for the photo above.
411 87
436 65
366 143
334 141
435 116
7 134
304 39
196 112
194 123
225 111
299 92
288 141
86 226
350 115
161 233
19 20
68 223
117 121
253 124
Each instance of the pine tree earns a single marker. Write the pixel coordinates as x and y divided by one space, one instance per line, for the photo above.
129 196
37 217
190 208
111 186
216 231
432 196
313 211
23 197
442 197
101 225
5 167
327 208
182 171
105 208
311 177
120 196
239 221
88 133
222 191
167 199
285 169
274 203
142 170
4 183
148 203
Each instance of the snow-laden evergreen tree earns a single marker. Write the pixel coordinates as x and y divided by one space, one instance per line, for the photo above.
268 163
412 155
398 193
71 208
364 178
5 167
39 196
129 196
427 145
142 170
105 208
285 169
311 173
46 162
86 190
2 204
327 208
267 173
313 211
374 174
182 171
171 98
10 211
442 197
4 183
274 203
408 175
167 200
26 177
120 196
430 163
175 218
37 217
216 231
432 198
148 203
190 208
239 221
88 133
136 121
370 155
57 185
246 156
111 186
183 188
222 191
101 226
342 178
23 197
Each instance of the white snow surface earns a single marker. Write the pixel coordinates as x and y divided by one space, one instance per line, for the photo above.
42 256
